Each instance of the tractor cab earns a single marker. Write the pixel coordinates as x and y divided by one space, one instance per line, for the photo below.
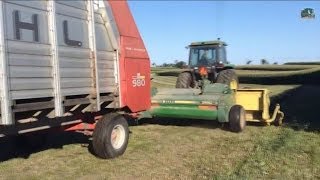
207 63
208 54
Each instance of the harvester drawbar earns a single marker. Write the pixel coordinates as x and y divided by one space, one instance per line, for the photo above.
215 101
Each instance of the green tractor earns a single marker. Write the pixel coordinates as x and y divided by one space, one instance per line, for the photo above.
208 61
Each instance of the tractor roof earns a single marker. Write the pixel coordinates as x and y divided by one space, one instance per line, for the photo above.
203 43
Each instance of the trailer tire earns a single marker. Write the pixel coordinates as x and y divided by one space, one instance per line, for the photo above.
229 77
110 136
237 119
184 80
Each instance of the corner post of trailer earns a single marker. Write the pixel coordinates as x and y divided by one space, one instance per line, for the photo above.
58 107
93 55
6 111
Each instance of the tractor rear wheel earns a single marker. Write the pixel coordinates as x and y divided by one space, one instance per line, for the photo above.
237 118
110 136
184 80
228 77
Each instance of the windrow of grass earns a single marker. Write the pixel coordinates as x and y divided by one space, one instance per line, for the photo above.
308 76
293 67
276 67
262 76
303 63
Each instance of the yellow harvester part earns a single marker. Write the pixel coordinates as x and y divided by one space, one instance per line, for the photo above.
256 102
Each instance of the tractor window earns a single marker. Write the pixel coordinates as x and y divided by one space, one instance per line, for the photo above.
203 56
222 55
194 55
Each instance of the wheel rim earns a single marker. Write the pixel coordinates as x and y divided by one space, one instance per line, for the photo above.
234 84
242 118
118 136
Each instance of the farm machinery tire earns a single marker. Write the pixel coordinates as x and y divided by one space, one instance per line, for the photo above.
184 80
110 136
228 77
237 119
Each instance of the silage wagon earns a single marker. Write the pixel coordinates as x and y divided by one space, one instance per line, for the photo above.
69 63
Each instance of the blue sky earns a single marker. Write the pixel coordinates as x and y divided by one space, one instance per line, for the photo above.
253 29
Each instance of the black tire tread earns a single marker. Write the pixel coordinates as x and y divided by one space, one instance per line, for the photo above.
226 76
234 118
184 80
101 136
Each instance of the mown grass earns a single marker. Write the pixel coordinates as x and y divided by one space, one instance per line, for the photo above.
303 63
203 150
200 151
263 76
170 81
276 67
307 76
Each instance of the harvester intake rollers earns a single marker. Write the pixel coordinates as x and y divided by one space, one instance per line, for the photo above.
237 119
227 76
105 131
184 80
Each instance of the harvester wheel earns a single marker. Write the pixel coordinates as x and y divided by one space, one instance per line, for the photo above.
110 136
228 77
237 118
184 80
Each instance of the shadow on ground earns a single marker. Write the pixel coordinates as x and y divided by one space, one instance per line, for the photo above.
19 147
301 107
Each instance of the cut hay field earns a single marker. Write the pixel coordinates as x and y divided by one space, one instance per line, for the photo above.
202 150
266 74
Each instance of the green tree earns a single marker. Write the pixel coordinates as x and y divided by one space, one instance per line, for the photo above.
264 61
180 64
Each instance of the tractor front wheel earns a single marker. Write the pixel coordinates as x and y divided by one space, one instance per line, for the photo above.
237 118
228 77
110 136
184 80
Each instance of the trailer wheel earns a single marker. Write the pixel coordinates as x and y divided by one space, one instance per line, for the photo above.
237 119
110 136
228 77
184 80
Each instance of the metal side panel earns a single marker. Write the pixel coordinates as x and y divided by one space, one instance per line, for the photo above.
76 4
75 91
67 62
29 94
105 55
56 49
28 48
74 12
30 72
75 72
29 60
110 24
75 82
17 84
